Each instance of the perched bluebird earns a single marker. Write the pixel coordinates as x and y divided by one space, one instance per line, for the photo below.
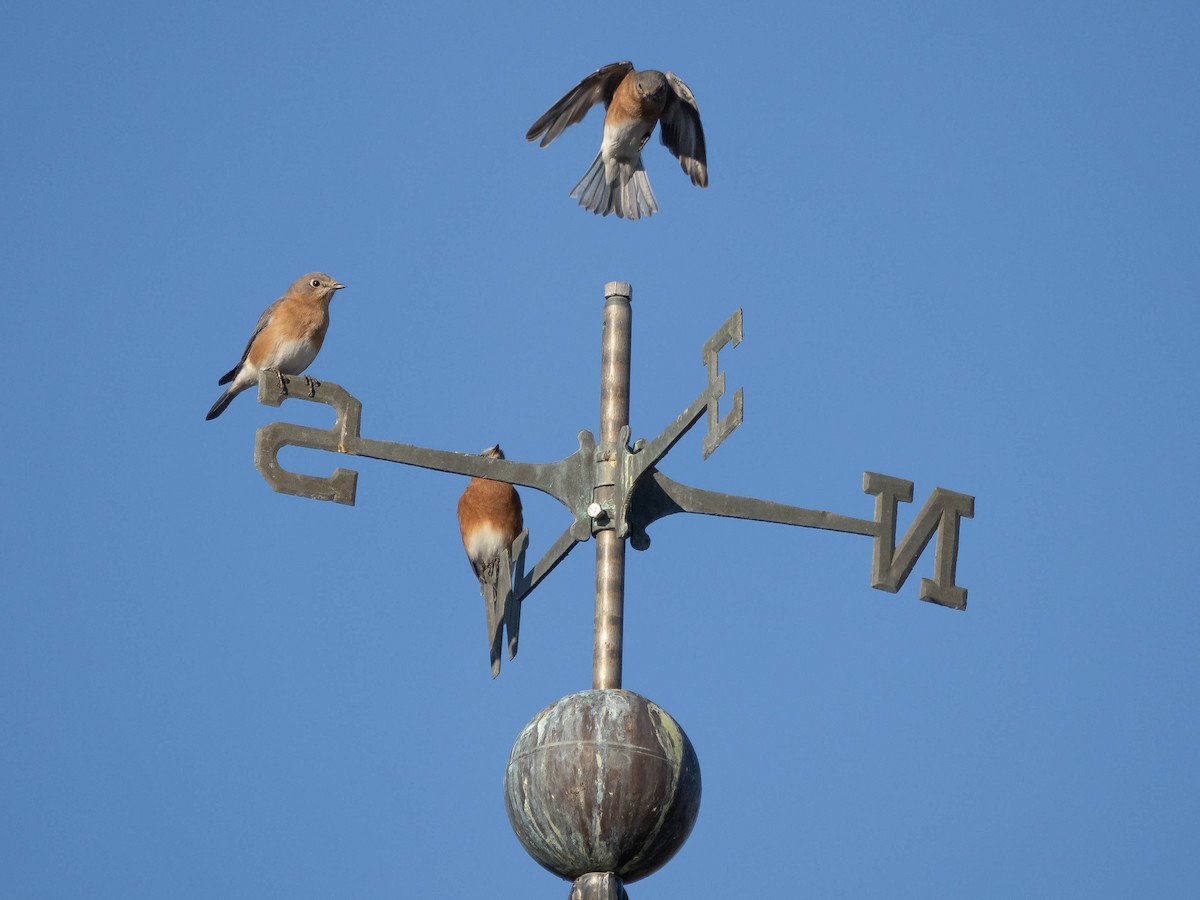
286 339
490 520
616 181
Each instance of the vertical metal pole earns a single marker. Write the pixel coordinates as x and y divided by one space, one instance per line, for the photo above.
610 549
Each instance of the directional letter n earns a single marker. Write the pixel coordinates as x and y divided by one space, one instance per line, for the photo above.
941 513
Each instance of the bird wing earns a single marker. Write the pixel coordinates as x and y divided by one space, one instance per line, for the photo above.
262 323
681 131
575 104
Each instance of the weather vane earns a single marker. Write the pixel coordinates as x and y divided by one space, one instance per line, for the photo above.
603 787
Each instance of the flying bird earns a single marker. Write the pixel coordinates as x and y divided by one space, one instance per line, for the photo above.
636 101
286 339
490 520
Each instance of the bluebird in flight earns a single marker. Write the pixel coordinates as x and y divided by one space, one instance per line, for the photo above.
636 101
286 339
490 520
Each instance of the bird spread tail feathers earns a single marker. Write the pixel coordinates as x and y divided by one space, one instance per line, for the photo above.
628 195
593 190
636 198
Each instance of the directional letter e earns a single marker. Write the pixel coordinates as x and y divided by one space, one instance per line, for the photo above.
941 513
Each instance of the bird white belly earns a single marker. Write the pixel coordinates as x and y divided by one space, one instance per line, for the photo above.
623 143
291 357
484 543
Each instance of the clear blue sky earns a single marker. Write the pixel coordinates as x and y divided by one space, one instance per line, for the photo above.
965 238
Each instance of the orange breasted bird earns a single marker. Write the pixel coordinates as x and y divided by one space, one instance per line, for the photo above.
490 520
636 102
286 339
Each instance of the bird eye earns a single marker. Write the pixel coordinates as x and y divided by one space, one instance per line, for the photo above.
316 283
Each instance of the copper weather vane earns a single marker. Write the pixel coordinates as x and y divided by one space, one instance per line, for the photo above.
559 784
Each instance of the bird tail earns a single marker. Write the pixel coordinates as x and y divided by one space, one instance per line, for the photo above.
629 195
219 407
502 609
593 190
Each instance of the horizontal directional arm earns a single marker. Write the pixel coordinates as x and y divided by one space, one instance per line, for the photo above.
658 496
569 480
668 496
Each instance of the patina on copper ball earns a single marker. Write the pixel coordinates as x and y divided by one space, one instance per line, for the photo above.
602 781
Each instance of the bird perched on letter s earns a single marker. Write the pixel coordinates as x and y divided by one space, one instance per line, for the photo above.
636 101
286 339
490 520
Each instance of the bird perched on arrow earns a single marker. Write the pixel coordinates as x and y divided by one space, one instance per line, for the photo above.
616 182
286 339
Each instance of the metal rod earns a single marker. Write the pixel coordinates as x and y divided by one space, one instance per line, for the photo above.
610 548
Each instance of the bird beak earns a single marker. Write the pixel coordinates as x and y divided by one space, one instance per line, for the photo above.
337 285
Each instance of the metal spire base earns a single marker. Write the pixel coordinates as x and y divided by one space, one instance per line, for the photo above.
598 886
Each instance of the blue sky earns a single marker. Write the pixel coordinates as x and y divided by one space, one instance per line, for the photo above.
964 237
